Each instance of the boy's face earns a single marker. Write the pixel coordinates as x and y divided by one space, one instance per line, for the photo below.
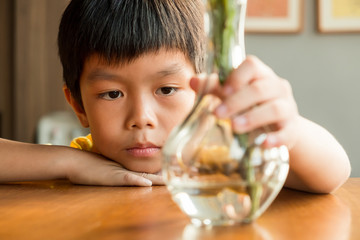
132 108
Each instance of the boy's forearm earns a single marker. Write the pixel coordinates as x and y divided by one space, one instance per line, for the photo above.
27 162
318 163
31 162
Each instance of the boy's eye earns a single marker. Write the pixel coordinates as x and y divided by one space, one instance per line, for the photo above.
166 91
112 95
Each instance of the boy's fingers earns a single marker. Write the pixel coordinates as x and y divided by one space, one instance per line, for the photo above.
251 95
155 179
273 112
122 178
206 84
197 82
281 137
250 69
130 179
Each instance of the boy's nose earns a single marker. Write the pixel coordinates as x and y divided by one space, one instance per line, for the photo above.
141 114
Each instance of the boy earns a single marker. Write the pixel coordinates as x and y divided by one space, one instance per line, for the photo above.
129 67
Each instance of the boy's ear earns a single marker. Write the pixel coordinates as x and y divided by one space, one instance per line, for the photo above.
79 111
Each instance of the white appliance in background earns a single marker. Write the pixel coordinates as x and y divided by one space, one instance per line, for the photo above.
59 128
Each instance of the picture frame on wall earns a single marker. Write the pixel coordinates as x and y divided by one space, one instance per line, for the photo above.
338 16
274 16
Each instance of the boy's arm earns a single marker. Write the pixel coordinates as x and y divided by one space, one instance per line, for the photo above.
30 162
254 96
318 163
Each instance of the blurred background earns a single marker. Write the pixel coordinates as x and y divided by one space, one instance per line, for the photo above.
323 69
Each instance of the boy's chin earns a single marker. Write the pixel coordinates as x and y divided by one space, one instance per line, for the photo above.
143 167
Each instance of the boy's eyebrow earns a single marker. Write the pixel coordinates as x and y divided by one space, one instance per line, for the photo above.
101 74
170 70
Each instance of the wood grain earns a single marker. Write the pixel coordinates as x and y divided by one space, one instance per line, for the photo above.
60 210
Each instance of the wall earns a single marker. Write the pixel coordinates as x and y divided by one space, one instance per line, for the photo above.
37 69
324 70
6 68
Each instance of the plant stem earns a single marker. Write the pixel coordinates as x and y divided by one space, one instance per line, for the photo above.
223 15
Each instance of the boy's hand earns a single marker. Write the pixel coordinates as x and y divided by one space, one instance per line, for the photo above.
92 169
254 96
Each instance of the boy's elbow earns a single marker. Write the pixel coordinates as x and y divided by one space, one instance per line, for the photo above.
320 183
346 175
338 181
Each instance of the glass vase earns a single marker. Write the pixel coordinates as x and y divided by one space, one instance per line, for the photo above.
218 177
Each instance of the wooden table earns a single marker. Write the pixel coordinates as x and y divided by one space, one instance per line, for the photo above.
60 210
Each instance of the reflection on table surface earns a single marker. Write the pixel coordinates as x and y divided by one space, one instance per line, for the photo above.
60 210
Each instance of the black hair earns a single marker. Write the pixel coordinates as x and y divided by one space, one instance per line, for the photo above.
120 31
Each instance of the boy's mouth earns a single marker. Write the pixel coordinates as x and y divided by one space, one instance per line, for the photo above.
144 150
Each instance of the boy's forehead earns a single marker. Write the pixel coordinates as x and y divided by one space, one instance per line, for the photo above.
160 64
173 60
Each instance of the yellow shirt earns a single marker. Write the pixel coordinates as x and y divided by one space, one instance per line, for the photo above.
83 143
